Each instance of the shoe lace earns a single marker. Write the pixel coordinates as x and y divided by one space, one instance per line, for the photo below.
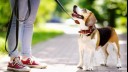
32 59
18 62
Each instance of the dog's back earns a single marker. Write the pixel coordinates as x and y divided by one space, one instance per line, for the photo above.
105 34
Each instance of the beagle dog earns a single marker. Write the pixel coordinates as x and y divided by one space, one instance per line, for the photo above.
91 38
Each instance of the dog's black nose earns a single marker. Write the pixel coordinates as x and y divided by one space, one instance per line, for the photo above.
75 6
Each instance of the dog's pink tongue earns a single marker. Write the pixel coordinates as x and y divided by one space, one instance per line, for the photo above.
77 22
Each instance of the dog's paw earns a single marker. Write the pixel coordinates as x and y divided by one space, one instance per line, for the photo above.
103 65
88 69
80 67
118 65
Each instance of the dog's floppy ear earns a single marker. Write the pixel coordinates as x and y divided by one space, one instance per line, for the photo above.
91 20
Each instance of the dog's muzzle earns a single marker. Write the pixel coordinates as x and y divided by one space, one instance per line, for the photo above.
75 14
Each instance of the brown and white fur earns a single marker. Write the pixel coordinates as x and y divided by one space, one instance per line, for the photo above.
91 38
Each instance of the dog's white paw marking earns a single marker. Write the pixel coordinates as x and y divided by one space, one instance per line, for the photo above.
84 68
87 68
119 65
103 64
80 66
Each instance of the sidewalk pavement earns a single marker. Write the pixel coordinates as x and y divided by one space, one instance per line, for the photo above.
61 54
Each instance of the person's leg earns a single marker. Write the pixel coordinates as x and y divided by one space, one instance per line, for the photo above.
12 39
26 52
15 63
28 30
12 36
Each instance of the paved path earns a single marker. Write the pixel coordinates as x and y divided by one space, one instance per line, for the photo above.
61 55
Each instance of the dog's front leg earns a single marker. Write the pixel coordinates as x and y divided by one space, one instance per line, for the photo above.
91 62
81 55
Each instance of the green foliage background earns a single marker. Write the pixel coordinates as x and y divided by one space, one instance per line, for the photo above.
108 12
45 11
4 13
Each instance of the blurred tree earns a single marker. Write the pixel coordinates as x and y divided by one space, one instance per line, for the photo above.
67 5
109 10
4 13
45 11
106 11
115 9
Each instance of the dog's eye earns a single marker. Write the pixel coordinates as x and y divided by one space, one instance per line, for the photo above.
79 16
82 17
84 10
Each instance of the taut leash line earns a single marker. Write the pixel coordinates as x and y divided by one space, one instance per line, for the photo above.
57 1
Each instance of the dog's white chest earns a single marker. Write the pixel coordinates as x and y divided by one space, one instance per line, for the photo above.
86 41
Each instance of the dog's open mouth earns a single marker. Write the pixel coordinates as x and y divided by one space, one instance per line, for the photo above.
75 14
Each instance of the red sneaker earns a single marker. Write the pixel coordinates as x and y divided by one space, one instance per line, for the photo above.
17 65
33 64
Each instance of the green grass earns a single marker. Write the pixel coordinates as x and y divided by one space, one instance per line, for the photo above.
2 42
40 34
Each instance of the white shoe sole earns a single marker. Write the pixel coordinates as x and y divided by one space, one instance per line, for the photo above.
37 66
18 70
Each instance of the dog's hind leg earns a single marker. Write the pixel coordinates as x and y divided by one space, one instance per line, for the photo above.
117 49
115 41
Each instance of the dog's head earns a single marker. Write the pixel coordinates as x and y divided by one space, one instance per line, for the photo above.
84 17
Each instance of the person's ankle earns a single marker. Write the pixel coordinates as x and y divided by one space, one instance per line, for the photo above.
25 57
12 58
